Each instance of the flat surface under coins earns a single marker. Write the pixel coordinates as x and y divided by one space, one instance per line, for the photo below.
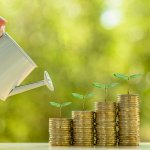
46 146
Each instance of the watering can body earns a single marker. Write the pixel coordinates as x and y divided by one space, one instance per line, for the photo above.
15 66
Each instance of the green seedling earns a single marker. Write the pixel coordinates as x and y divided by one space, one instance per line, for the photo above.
105 87
60 106
127 78
83 98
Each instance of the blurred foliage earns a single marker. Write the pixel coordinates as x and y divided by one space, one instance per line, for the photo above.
78 42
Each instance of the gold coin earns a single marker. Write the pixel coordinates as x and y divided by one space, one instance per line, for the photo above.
76 126
83 139
59 125
105 128
83 135
60 133
129 136
128 95
125 114
60 144
110 138
105 111
106 144
106 140
100 116
58 138
128 142
106 133
105 124
127 100
128 132
60 141
83 121
83 144
82 126
128 109
60 129
62 120
83 130
126 121
83 113
108 104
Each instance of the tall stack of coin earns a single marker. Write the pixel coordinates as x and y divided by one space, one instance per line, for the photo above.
60 131
105 113
83 128
128 114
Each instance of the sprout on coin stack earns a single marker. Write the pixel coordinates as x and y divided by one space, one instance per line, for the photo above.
83 123
128 114
60 129
83 98
105 113
105 87
60 106
127 78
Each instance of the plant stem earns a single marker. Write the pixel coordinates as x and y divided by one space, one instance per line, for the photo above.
83 104
128 92
105 94
60 112
128 87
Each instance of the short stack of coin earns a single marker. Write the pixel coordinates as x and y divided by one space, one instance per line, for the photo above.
105 113
60 131
83 128
128 114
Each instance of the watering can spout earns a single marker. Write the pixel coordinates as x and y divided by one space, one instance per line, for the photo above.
47 81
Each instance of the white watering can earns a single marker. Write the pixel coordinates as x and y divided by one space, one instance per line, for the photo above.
15 66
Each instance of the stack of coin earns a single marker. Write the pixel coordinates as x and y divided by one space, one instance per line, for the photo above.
105 113
60 131
83 128
128 115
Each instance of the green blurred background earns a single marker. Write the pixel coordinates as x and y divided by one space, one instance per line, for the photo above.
77 42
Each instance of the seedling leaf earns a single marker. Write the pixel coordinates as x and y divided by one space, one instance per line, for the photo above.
111 85
79 96
89 95
55 104
121 76
99 85
135 76
65 104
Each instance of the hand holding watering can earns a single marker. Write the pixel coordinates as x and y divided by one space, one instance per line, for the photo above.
2 26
